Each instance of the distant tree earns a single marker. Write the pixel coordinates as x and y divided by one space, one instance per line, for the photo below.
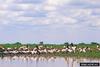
17 43
7 44
81 43
66 43
71 44
41 43
94 43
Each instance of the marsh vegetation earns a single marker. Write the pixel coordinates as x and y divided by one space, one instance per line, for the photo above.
75 50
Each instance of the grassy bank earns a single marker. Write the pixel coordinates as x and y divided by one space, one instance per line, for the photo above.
95 54
90 54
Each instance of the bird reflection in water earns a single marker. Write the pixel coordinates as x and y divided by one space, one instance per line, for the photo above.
42 61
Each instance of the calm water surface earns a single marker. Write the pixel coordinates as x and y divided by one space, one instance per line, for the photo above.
26 61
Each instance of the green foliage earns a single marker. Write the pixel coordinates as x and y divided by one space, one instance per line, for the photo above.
66 43
94 43
41 43
81 44
17 43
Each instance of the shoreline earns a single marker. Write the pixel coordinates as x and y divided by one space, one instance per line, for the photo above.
85 51
82 55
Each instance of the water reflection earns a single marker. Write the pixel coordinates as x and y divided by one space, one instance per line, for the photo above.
41 61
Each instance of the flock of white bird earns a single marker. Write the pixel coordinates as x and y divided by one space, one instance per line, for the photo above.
42 50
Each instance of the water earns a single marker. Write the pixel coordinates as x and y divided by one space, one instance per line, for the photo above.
30 61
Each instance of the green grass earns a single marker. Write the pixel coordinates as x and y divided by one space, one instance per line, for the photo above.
53 45
11 46
90 54
94 54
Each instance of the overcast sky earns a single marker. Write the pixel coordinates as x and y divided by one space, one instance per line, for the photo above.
51 21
